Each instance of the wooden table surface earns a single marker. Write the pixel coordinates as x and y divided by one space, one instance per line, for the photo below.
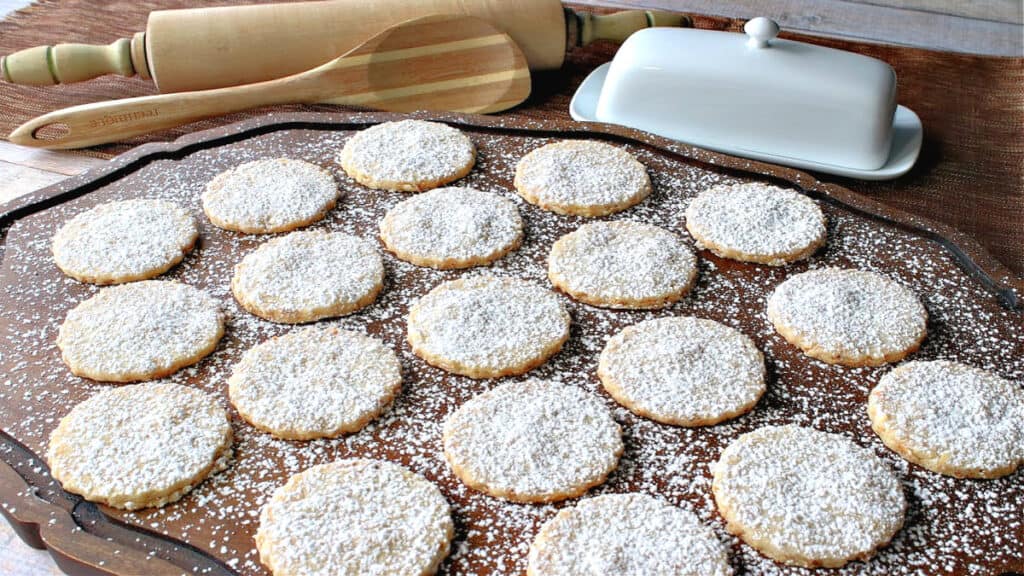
990 27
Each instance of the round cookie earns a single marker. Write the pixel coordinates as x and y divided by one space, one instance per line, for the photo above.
807 498
627 534
755 222
950 418
267 196
487 327
582 178
452 228
140 331
140 446
306 276
315 382
124 241
683 371
532 441
355 517
848 317
622 264
408 155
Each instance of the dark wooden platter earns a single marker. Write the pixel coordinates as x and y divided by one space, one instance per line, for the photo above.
953 526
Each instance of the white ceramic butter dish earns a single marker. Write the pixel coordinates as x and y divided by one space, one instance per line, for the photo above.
758 97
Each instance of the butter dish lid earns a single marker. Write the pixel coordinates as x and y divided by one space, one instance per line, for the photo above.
757 96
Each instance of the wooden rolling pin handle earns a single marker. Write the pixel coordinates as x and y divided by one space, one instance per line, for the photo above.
618 26
66 63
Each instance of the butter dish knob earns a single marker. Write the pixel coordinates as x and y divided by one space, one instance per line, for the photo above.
760 30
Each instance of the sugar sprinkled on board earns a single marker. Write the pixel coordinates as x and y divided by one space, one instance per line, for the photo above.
942 525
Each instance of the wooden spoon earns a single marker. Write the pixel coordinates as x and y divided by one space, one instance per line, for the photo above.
441 62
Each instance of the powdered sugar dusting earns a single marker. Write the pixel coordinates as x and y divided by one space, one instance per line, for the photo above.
622 264
487 324
955 527
124 241
140 330
140 445
807 495
588 177
848 314
686 371
631 534
953 416
308 275
452 228
355 517
314 382
762 223
269 195
407 155
532 441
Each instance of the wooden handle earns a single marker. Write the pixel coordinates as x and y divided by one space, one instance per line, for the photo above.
113 120
438 62
73 549
65 63
620 25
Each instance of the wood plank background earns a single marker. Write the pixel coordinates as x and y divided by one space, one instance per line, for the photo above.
976 26
991 27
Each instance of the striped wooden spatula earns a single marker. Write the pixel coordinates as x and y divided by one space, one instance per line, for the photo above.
441 62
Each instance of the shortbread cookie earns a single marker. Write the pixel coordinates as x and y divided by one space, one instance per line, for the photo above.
266 196
532 441
950 418
633 534
622 265
140 446
487 327
807 498
582 177
683 371
755 222
140 331
306 276
366 517
452 228
848 317
124 241
409 155
314 382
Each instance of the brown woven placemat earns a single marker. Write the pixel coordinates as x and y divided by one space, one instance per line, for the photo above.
970 174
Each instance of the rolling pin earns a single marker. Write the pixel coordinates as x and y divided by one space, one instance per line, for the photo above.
202 48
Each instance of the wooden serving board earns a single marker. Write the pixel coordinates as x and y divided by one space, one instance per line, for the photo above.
952 527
